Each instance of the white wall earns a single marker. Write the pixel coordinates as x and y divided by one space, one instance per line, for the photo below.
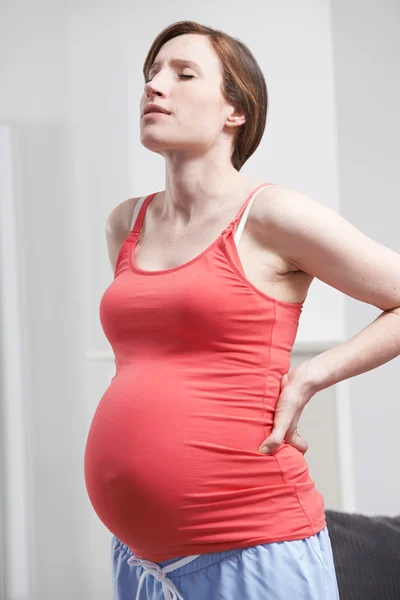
34 99
71 80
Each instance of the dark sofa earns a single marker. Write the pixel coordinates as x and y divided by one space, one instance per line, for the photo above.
366 552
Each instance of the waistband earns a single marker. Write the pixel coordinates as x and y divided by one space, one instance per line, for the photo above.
204 560
182 565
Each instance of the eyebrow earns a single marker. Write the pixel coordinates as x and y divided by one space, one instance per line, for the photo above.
180 62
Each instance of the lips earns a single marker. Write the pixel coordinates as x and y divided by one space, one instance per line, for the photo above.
153 108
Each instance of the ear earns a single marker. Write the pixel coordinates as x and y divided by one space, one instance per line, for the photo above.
235 119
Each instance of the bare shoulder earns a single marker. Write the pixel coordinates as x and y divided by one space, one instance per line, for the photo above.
281 198
118 227
322 243
279 213
285 213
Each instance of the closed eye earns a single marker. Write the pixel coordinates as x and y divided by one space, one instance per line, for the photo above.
184 76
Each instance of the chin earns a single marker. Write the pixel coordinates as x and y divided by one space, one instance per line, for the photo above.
152 144
159 144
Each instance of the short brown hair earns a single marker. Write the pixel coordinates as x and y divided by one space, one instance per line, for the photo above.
243 82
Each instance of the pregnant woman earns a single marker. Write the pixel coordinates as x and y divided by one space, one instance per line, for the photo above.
210 277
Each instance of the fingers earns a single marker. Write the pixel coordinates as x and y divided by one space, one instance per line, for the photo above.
283 418
294 439
290 406
282 432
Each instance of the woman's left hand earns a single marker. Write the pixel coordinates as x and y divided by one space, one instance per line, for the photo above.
293 398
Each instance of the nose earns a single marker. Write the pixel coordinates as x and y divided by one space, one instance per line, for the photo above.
151 88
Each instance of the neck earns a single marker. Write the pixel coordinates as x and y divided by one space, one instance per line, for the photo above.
192 197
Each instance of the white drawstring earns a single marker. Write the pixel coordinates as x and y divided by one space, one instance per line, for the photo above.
168 587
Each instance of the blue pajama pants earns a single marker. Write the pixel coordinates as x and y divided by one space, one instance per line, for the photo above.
291 570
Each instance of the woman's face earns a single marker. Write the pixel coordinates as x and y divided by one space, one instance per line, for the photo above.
199 114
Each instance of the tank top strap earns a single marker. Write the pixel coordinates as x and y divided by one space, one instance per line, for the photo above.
139 212
245 209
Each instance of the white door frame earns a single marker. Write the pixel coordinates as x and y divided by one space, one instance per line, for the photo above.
15 521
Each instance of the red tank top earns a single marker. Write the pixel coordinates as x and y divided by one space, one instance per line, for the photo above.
171 463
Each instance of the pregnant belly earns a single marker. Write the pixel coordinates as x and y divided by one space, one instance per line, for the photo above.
161 460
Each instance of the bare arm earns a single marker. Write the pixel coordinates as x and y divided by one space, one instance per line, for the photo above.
118 228
322 243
